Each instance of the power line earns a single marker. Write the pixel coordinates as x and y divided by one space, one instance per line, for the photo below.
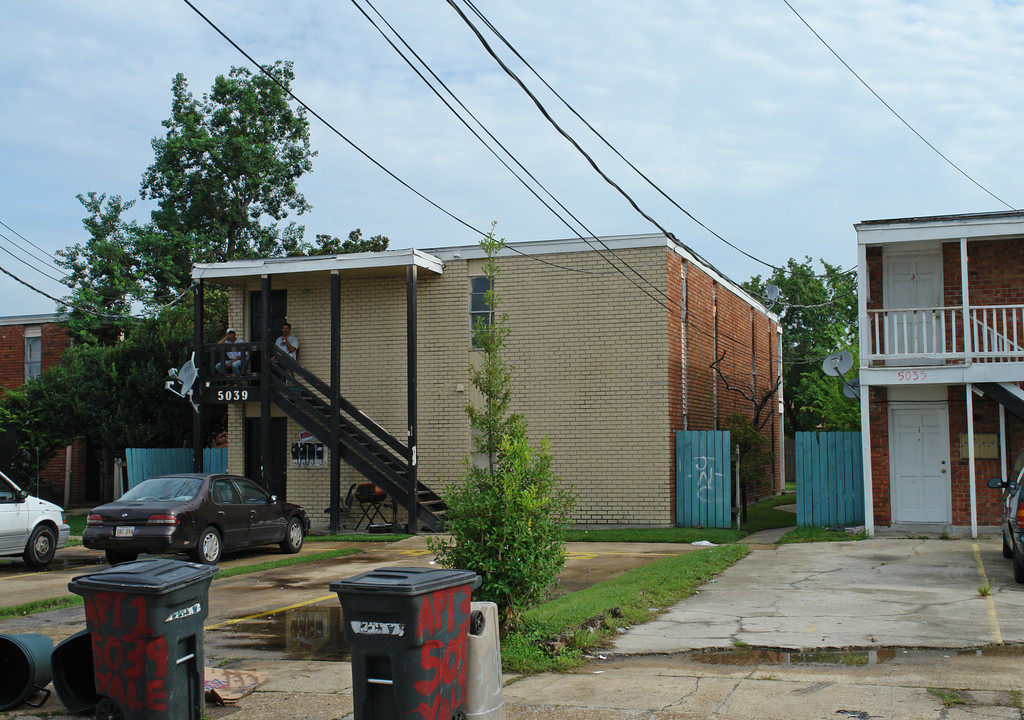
611 147
890 109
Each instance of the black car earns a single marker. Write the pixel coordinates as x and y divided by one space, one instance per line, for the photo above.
1012 515
202 515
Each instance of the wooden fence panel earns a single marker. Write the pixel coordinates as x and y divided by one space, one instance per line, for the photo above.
703 479
149 462
829 479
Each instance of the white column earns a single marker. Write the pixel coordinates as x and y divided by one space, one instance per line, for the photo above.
865 390
970 459
1002 440
965 302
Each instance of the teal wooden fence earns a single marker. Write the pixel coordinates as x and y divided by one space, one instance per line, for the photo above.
703 479
829 479
147 462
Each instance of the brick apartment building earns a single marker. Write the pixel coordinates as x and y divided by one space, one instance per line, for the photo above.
30 344
612 345
942 357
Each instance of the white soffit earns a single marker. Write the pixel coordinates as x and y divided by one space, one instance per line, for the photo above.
395 260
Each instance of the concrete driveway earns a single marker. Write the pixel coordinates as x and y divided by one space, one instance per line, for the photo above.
921 593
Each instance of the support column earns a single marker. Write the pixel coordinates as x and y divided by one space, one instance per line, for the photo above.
335 399
265 458
411 504
965 303
198 318
865 391
970 460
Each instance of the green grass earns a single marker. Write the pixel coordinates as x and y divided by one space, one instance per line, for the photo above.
38 606
556 635
948 697
761 515
817 534
359 538
77 523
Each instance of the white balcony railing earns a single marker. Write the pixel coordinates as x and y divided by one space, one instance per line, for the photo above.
936 335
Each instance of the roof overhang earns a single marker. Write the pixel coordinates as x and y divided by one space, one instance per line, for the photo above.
390 262
977 226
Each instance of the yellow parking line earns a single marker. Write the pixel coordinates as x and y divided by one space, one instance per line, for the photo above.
993 621
269 612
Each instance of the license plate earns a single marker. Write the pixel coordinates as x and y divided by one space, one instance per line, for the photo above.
124 531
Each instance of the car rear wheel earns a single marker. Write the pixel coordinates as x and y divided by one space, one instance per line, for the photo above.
1007 549
116 557
208 548
41 547
293 536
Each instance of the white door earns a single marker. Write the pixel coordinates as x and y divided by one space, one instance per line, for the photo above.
919 449
913 286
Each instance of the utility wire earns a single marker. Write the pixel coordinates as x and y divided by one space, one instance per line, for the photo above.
500 36
28 264
327 124
890 109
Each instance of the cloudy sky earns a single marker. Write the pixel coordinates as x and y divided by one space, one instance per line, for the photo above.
735 109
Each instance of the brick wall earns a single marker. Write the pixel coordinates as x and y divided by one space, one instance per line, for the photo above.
598 369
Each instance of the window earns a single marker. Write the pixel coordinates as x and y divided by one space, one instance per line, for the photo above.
478 307
33 356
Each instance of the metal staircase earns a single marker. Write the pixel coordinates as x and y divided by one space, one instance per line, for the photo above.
373 452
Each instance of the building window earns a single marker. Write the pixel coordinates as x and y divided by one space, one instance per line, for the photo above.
479 310
33 357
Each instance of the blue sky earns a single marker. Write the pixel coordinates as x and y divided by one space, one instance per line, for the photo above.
736 110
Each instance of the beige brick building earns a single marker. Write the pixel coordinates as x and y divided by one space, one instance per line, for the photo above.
611 342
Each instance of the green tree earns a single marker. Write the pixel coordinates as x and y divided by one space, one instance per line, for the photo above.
506 520
226 163
330 245
756 459
101 272
818 315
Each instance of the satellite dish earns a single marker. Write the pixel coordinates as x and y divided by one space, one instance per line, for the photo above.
837 364
772 292
851 389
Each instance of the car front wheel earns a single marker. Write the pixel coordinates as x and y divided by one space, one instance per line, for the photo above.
1018 567
41 547
293 536
208 548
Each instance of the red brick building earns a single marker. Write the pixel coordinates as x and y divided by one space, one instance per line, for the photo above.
30 344
942 357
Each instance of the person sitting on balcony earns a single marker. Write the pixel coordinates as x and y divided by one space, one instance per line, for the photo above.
232 358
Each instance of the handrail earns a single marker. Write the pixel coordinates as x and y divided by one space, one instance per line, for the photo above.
941 334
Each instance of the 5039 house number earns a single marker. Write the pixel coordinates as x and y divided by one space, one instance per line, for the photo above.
911 376
232 395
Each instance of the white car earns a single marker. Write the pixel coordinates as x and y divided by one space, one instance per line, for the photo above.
29 527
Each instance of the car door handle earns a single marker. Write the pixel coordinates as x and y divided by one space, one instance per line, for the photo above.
220 512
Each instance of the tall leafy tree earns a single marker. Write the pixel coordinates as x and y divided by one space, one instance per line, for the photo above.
330 245
102 272
818 314
224 174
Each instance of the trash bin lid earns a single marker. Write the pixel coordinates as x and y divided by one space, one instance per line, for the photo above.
405 581
147 577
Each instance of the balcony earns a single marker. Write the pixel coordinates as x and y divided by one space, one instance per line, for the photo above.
939 336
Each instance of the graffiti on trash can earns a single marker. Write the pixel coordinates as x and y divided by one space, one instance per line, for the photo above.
442 627
124 649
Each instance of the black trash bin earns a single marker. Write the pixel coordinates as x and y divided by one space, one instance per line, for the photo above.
407 630
145 619
24 669
73 676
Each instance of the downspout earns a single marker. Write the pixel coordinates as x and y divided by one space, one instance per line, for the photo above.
335 399
865 391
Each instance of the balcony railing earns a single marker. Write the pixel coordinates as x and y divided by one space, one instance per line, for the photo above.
994 333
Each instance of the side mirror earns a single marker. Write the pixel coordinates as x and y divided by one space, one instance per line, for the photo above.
995 482
22 495
273 499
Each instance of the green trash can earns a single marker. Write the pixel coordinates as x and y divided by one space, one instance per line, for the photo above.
24 669
145 619
407 630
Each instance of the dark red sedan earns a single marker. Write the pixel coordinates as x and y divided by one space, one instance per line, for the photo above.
200 514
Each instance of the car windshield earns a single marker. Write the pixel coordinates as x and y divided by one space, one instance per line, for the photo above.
164 488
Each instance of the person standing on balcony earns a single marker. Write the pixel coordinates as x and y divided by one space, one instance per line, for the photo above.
288 342
232 358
